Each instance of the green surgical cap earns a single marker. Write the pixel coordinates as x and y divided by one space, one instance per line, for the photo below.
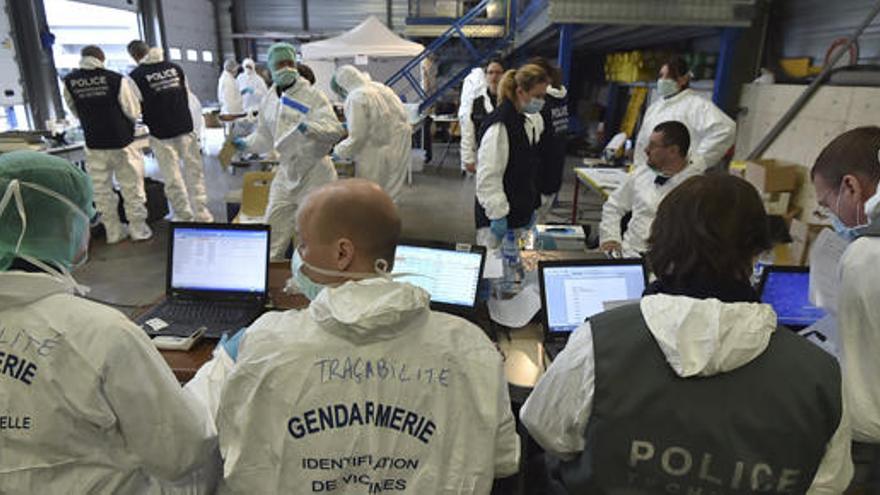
55 230
279 52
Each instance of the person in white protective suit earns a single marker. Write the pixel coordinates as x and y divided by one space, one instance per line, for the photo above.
483 99
379 135
474 85
846 176
107 107
695 386
404 398
712 131
164 95
644 189
88 403
298 121
228 93
251 86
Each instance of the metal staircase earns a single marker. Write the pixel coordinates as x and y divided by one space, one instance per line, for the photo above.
476 57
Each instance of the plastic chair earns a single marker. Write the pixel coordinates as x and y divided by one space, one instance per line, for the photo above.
254 197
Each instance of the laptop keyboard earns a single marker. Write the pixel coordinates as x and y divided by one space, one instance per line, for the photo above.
204 312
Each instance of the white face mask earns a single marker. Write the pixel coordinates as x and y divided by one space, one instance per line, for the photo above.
59 271
666 87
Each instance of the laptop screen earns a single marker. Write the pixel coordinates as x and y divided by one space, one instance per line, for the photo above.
789 294
574 292
450 276
219 259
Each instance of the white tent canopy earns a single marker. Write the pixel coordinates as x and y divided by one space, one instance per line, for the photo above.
370 38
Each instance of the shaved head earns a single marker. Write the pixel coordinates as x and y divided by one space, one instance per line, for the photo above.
353 209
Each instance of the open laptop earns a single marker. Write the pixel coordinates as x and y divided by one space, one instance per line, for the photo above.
787 290
572 291
217 278
450 273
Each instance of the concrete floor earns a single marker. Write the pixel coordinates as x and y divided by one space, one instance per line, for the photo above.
437 206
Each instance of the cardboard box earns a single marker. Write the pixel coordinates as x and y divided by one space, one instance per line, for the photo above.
771 176
776 203
802 236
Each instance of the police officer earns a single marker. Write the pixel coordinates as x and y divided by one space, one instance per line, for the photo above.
694 389
107 106
163 92
555 138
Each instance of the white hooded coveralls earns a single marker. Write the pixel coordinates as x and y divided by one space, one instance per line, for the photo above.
698 338
358 348
858 320
229 94
303 156
379 135
250 79
185 191
99 412
126 165
712 131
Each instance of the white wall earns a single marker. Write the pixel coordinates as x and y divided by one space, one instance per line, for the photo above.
832 111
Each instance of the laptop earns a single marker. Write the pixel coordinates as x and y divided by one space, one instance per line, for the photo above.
572 291
787 290
217 278
449 272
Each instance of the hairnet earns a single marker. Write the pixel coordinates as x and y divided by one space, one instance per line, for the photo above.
52 228
230 65
248 63
279 52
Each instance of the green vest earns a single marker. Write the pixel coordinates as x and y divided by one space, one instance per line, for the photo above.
763 427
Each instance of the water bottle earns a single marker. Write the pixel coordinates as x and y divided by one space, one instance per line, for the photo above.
511 282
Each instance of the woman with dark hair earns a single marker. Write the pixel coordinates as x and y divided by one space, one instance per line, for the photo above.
712 131
694 389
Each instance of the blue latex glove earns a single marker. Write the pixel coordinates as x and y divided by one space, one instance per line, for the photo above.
239 143
345 125
302 127
247 91
499 227
230 344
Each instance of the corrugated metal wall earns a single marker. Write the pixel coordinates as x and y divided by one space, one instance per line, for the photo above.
325 16
191 25
810 26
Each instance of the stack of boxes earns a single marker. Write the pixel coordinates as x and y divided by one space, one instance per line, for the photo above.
779 183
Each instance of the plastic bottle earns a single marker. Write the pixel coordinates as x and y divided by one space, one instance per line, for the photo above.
511 283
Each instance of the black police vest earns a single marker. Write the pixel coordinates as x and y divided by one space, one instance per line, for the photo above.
763 427
523 162
478 116
95 95
553 143
165 99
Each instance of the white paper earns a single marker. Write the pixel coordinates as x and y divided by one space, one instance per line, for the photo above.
518 311
361 59
156 324
824 334
825 270
608 179
493 267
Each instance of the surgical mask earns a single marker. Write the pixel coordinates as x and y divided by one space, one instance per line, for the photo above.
58 271
666 87
284 77
311 289
847 233
534 105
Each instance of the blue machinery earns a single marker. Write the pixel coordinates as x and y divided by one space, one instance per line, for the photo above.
514 23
